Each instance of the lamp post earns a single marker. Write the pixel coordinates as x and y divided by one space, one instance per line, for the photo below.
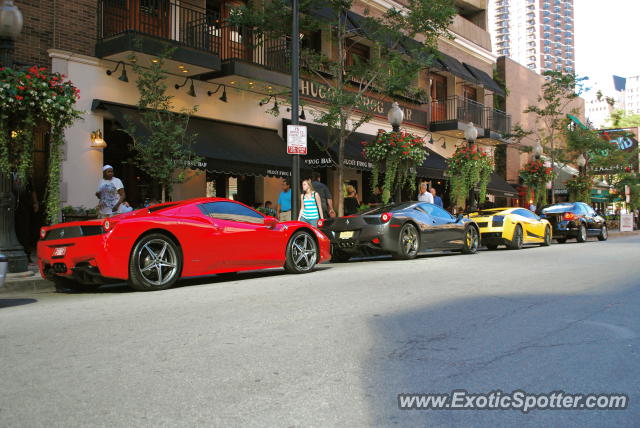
582 162
10 27
395 116
471 134
295 101
537 151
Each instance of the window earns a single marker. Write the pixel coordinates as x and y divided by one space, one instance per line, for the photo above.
435 211
357 52
231 211
525 213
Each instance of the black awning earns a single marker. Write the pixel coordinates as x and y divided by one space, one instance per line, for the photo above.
455 67
499 187
485 79
227 147
433 166
321 154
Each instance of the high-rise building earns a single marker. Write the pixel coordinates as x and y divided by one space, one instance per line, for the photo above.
536 33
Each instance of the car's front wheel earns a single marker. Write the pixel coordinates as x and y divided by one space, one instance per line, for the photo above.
408 243
471 241
155 264
517 239
302 253
604 233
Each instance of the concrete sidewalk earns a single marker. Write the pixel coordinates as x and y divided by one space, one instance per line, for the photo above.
28 283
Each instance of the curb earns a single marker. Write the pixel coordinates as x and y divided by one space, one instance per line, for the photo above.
30 284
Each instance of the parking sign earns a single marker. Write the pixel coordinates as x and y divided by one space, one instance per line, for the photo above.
296 140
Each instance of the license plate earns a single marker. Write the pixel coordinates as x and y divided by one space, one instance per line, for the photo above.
59 252
346 235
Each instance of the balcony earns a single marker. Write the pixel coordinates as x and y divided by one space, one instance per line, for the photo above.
205 47
450 117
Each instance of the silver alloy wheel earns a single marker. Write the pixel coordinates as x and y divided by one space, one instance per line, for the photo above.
409 240
605 232
547 236
303 251
471 239
157 262
583 233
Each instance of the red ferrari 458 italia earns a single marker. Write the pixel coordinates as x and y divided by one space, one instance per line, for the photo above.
153 247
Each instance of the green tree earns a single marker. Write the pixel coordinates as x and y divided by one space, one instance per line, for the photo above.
165 146
623 119
392 69
558 91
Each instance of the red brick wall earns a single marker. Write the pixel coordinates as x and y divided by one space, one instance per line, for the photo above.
63 24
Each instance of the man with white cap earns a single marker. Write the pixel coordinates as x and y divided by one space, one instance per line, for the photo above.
110 192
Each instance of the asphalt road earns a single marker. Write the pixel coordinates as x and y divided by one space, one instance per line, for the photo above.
334 347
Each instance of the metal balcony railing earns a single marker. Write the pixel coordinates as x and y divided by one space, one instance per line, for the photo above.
192 27
466 110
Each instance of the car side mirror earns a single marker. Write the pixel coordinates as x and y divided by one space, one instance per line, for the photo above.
270 222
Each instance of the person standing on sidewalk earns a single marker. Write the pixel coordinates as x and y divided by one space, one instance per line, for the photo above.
424 195
437 200
325 195
110 192
310 205
283 208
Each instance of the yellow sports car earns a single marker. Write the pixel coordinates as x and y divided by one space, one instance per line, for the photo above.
512 227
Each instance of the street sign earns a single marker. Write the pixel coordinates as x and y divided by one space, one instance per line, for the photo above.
296 140
626 222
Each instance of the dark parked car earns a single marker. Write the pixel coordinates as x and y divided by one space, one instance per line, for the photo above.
575 220
403 230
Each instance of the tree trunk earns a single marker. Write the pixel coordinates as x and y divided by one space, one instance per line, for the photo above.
164 192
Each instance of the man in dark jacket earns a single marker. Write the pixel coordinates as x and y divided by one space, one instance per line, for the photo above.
325 195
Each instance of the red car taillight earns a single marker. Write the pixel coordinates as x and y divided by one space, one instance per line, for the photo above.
568 216
385 217
321 222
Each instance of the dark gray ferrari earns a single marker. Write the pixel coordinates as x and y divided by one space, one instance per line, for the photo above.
403 230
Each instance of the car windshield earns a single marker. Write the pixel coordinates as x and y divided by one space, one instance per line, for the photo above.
558 208
388 208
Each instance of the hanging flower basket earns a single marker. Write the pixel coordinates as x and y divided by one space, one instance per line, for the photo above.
29 98
466 169
535 176
397 154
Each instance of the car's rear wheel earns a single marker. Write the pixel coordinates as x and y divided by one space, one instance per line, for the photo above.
604 233
582 234
63 284
547 237
155 263
491 247
471 241
408 243
517 239
302 253
561 240
339 256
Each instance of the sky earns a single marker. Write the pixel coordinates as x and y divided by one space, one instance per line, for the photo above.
606 38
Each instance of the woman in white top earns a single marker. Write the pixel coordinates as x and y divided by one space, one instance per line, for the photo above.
310 205
425 196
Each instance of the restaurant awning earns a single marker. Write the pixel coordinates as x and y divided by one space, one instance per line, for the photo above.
455 67
433 166
485 79
228 148
499 187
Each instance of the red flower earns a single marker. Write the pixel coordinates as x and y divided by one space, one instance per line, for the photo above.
19 98
28 76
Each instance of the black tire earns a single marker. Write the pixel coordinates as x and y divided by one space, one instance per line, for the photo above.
547 237
155 263
65 284
408 243
604 233
471 241
561 240
302 253
491 247
518 239
582 234
339 256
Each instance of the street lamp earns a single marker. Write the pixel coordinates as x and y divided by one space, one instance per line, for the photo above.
537 151
10 27
395 116
471 134
581 161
